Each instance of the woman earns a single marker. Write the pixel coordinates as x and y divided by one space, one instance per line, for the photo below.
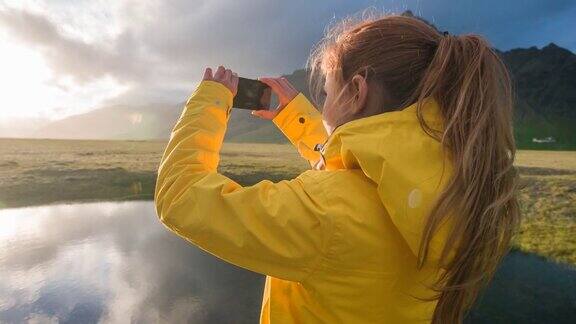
411 203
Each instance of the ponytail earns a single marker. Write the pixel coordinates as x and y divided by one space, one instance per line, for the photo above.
412 60
473 88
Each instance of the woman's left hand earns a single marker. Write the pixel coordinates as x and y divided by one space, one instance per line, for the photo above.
224 76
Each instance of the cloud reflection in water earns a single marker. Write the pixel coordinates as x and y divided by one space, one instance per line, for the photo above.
114 262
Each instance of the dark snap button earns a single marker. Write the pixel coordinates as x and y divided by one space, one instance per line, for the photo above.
301 120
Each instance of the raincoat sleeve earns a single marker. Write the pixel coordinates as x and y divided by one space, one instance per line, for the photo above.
302 125
279 229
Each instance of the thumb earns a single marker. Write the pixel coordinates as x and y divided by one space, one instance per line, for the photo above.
256 113
264 114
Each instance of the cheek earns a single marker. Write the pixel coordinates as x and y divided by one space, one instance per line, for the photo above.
331 111
329 128
328 113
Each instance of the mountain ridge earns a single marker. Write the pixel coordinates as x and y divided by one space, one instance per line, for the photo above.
544 81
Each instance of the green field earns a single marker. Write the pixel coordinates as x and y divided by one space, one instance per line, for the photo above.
36 172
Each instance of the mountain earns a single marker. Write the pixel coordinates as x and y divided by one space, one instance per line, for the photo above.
115 122
544 79
545 84
155 121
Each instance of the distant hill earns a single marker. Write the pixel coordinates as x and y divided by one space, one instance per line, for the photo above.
156 122
545 85
545 82
115 122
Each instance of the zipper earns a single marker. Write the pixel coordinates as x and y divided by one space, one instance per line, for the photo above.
321 147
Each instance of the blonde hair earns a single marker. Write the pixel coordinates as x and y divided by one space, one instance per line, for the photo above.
412 60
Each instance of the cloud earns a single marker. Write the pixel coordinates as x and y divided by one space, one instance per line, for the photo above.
166 44
159 48
69 57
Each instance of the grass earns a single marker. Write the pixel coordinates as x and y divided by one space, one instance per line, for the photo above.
548 198
557 160
36 172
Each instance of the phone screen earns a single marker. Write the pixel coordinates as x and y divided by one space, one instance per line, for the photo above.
252 94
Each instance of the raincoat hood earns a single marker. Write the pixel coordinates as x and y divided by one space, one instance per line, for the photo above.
407 165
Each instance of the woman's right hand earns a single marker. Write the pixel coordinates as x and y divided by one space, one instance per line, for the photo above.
285 92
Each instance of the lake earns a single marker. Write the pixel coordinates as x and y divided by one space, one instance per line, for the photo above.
116 263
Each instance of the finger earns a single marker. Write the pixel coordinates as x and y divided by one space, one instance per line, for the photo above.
227 75
284 91
273 84
267 114
264 80
264 114
288 89
207 74
219 73
234 83
235 80
287 84
256 113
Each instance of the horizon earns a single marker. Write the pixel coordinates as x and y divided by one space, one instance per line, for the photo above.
66 58
28 126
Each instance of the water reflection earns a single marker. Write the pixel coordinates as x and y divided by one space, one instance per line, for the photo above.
115 263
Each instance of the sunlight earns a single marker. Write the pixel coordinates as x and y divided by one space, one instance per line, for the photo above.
30 88
33 89
23 80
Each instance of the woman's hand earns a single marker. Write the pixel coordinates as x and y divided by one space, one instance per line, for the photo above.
285 92
225 76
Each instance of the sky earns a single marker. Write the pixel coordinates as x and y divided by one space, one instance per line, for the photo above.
64 57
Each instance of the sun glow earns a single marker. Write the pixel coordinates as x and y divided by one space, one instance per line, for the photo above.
29 88
23 82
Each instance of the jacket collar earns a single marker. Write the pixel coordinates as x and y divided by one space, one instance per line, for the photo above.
408 167
362 138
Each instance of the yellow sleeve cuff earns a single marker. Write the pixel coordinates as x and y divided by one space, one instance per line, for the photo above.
302 125
210 93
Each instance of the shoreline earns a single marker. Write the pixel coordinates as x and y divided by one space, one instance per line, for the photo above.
48 172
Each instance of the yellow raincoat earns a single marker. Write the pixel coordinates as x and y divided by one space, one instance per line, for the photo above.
337 245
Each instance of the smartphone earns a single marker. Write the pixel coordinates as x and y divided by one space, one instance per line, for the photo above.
252 94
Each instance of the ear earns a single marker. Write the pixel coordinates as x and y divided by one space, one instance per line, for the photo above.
360 86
